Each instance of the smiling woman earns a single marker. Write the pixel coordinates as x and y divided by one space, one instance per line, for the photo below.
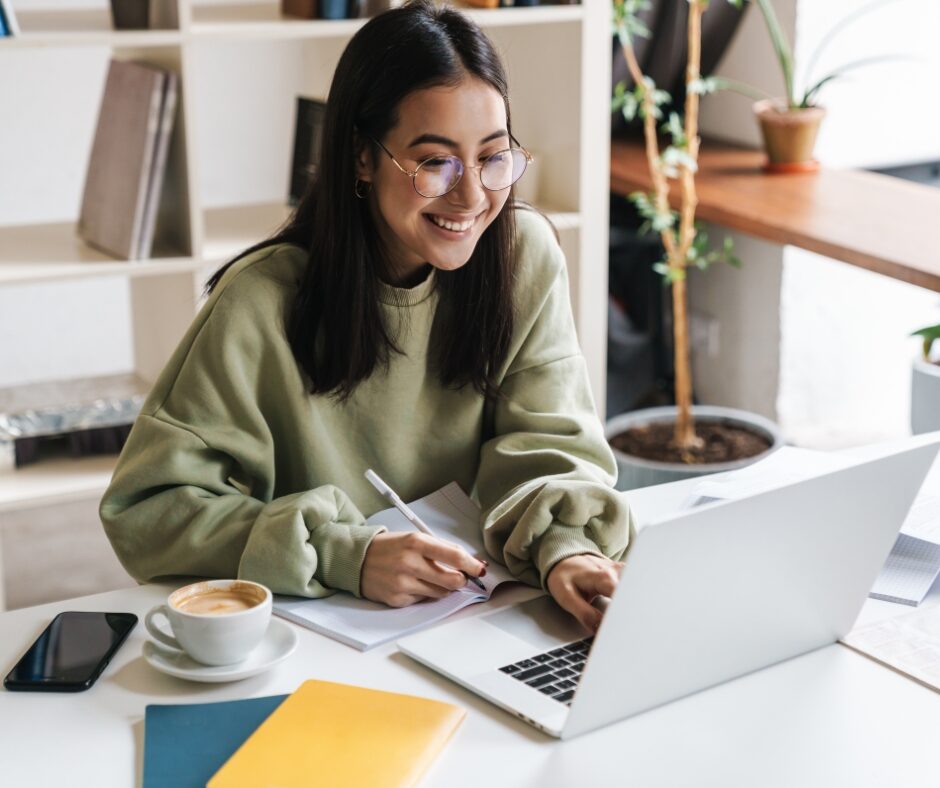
409 317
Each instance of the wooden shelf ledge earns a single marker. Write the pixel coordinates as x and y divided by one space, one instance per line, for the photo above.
259 20
53 482
877 222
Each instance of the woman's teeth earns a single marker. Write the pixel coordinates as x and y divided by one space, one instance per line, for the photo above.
457 227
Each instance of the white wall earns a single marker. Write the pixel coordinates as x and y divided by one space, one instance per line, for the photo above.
739 364
845 372
58 330
844 355
744 372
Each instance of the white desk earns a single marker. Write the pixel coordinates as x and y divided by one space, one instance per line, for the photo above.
830 718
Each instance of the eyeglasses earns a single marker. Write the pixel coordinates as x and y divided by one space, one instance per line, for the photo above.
439 175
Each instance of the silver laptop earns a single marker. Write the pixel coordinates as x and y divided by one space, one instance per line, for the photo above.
705 596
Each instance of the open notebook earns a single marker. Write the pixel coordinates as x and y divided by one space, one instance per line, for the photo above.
451 515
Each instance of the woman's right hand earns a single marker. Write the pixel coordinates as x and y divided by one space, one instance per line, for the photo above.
403 568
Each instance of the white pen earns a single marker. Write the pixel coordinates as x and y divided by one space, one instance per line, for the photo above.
392 497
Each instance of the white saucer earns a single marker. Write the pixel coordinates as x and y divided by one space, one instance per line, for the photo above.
277 645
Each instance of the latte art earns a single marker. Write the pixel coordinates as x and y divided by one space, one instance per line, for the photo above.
217 602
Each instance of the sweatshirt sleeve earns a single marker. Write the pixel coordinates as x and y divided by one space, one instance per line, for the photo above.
195 490
546 475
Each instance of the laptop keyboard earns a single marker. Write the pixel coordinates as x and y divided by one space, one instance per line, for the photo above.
554 673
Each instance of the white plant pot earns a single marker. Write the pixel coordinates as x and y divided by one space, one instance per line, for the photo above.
925 397
635 472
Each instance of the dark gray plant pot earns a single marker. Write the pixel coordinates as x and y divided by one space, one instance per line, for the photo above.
925 397
635 472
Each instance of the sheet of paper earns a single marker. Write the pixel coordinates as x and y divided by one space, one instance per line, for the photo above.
451 515
909 644
909 572
923 521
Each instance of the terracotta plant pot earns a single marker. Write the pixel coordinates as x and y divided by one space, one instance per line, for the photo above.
789 135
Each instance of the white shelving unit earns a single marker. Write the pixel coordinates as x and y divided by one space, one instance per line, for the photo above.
241 68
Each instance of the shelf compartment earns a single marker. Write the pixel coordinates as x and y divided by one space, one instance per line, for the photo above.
82 27
233 229
260 20
264 20
33 253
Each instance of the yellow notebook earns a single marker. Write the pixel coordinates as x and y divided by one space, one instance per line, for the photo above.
338 735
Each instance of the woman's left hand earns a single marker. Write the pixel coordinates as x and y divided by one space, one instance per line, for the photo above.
574 583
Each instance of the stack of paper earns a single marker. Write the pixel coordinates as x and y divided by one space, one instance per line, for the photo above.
909 644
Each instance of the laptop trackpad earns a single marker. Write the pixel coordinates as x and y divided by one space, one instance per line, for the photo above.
539 622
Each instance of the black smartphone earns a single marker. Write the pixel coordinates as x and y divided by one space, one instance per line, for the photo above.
71 653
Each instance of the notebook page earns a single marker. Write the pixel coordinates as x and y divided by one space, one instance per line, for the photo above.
363 624
452 516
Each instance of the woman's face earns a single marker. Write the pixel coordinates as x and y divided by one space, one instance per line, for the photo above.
467 120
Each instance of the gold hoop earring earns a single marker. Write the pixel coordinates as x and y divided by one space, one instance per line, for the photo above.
360 193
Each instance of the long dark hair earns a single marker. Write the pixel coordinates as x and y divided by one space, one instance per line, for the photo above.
335 327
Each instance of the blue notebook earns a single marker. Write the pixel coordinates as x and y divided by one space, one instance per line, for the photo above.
184 745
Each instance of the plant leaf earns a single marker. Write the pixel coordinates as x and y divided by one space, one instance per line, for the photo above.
723 83
811 92
839 27
781 46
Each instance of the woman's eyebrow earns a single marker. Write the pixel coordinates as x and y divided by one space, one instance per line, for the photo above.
439 140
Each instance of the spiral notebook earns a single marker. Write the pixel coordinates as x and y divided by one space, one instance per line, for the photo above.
362 624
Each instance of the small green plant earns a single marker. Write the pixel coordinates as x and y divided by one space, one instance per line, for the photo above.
930 335
799 97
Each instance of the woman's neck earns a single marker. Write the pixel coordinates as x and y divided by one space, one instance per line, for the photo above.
411 277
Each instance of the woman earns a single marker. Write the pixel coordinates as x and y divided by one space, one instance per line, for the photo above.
407 318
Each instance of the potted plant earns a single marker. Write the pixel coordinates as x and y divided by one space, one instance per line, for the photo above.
925 383
789 125
662 444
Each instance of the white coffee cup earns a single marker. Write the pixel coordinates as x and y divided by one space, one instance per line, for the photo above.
216 622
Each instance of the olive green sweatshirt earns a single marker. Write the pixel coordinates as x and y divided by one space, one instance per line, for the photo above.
233 469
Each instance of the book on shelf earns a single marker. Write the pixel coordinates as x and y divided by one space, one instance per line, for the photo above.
158 170
76 417
8 24
164 15
152 15
128 159
302 9
308 134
